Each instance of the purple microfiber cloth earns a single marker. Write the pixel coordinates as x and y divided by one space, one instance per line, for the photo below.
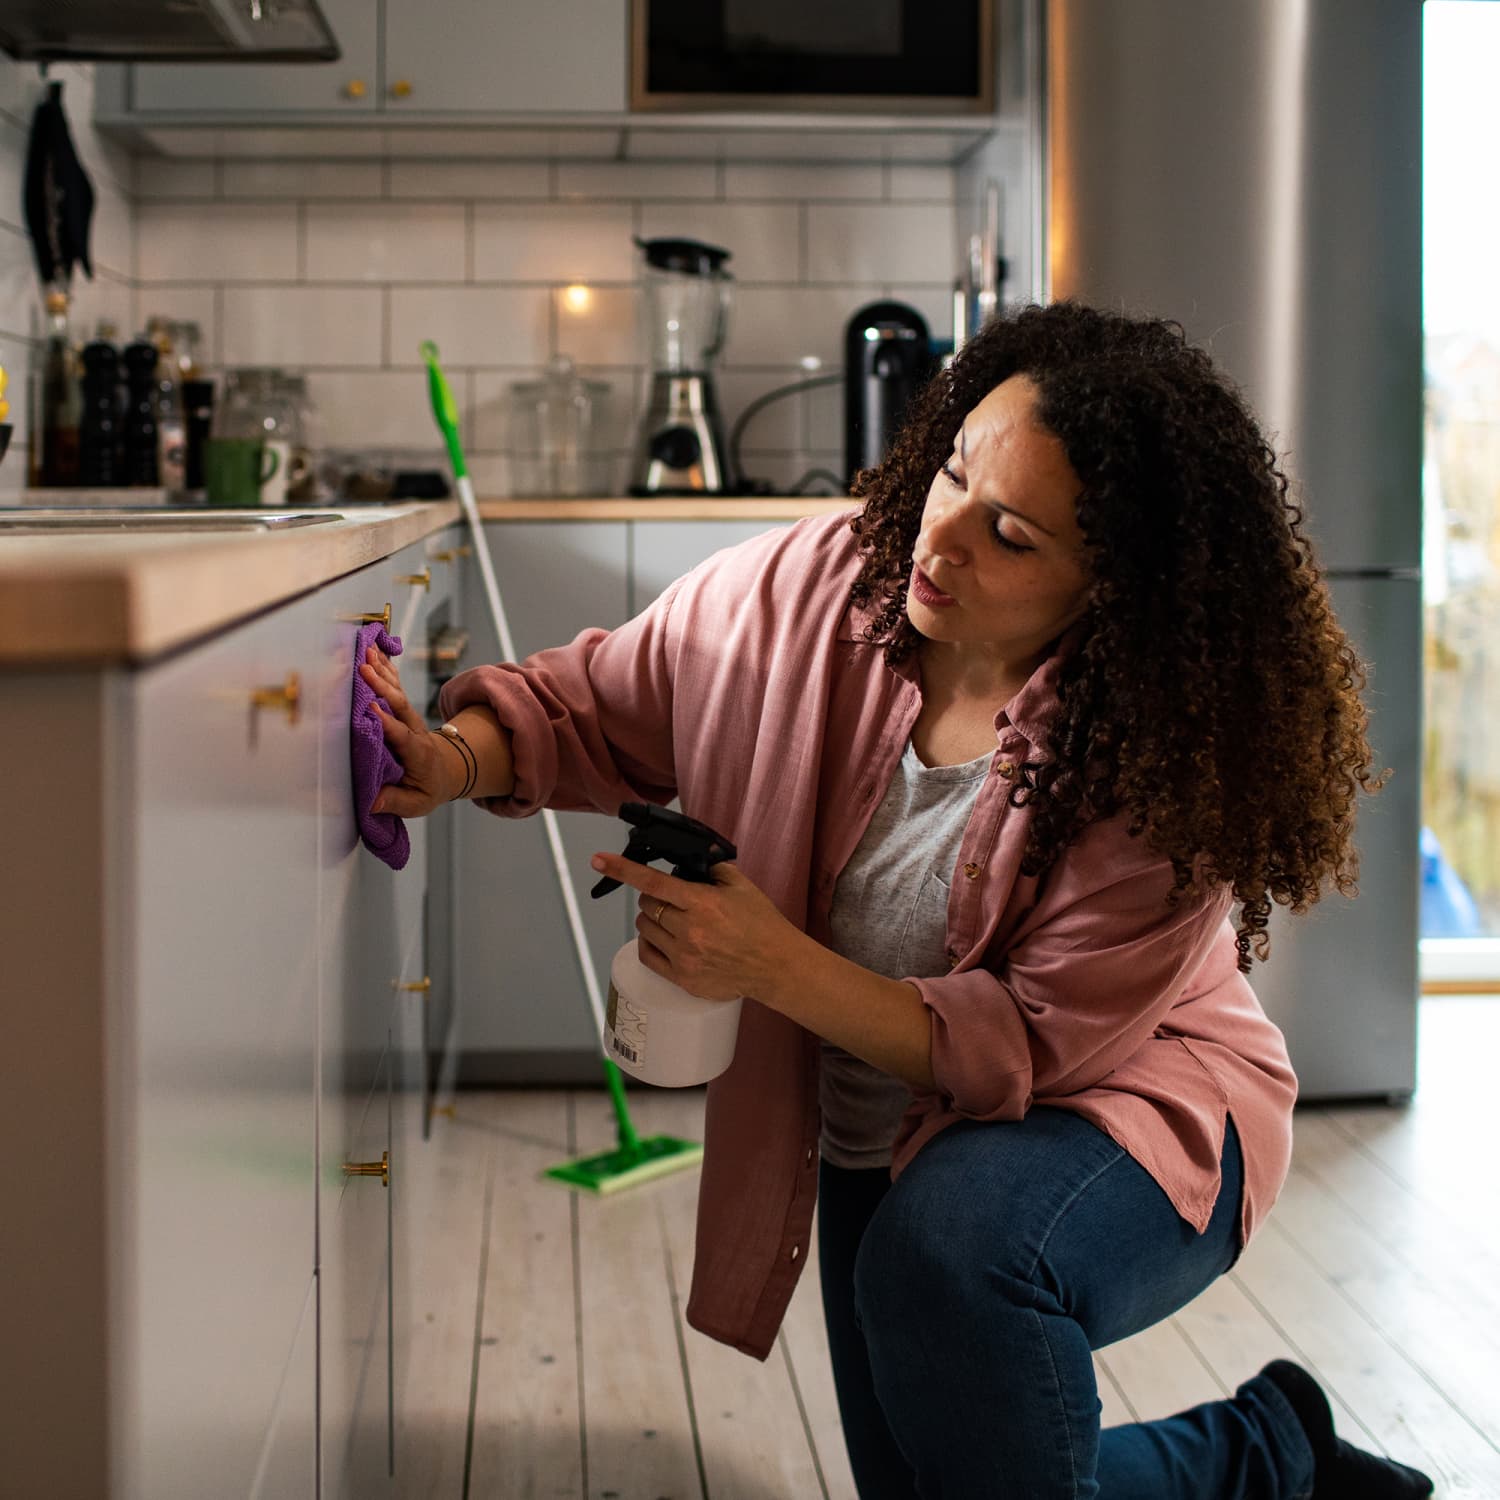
374 766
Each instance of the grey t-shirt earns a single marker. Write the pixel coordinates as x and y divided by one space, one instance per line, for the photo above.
890 914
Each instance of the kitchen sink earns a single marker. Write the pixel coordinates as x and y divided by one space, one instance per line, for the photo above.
153 519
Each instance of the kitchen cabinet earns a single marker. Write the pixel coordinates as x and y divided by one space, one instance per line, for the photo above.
525 1015
349 86
226 996
418 56
541 81
474 56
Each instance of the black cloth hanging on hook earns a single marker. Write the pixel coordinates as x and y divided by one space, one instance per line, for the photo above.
59 197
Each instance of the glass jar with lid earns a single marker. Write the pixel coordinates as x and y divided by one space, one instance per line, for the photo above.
554 433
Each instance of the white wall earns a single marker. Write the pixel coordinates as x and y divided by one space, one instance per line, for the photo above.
109 296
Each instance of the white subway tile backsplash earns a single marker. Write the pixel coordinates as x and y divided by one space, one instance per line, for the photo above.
553 242
631 179
763 238
385 241
377 409
813 183
219 241
103 300
471 325
302 325
12 174
603 330
164 177
880 242
470 179
930 184
20 292
778 426
781 326
302 179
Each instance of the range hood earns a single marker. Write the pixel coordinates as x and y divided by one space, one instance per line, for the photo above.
166 31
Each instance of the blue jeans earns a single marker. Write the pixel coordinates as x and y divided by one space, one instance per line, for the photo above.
963 1301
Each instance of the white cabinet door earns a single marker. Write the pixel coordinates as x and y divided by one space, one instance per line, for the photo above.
473 55
349 85
521 998
220 1064
289 1466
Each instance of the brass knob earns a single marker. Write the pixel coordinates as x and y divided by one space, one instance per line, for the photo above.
418 986
355 89
384 617
401 88
287 697
422 579
380 1169
450 554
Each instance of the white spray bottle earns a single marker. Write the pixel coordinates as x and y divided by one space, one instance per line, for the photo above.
654 1029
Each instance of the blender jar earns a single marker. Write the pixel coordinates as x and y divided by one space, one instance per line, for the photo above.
687 304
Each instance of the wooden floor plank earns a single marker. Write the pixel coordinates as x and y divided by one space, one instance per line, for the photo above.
527 1434
1392 1399
1159 1372
804 1342
756 1445
446 1215
1418 1314
642 1433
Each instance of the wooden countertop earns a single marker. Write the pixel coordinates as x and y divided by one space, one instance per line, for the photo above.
94 599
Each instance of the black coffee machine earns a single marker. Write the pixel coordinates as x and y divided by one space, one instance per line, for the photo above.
887 360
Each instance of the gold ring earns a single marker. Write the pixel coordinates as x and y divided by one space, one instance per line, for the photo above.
661 907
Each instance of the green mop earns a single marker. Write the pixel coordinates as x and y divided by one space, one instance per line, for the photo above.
633 1160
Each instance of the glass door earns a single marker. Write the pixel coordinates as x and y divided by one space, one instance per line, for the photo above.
1461 498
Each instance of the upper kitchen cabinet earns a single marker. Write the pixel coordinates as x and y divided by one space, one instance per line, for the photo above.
472 56
439 57
351 85
433 78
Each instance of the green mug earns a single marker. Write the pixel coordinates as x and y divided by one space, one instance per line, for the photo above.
235 470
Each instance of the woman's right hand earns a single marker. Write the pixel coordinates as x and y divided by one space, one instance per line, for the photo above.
434 767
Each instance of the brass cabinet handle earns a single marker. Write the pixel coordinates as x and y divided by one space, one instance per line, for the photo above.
384 617
401 88
422 579
452 554
287 698
380 1169
418 986
355 89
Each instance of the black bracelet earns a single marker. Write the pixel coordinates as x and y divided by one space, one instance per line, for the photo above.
471 761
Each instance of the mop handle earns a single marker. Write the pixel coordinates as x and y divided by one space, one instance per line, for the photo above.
549 819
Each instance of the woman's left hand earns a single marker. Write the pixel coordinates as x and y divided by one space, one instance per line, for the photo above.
717 941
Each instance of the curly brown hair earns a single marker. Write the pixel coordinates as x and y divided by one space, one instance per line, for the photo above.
1213 697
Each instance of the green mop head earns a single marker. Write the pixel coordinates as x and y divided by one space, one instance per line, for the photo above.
633 1161
624 1167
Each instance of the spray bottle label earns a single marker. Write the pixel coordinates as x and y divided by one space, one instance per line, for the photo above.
627 1028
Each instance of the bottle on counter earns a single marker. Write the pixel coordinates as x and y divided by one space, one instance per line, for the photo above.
141 458
99 428
171 428
58 402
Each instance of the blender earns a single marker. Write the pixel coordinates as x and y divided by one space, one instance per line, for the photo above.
680 447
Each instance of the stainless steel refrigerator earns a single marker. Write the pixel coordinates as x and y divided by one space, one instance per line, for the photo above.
1252 168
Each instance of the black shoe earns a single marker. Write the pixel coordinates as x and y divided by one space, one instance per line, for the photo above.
1340 1470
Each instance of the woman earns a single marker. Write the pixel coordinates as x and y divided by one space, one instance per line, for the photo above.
1000 758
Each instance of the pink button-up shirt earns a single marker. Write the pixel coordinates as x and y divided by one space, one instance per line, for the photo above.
746 691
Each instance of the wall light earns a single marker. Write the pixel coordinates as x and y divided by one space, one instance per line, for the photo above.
578 298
